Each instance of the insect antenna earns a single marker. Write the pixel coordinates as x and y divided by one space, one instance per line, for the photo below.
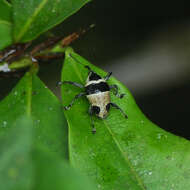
86 66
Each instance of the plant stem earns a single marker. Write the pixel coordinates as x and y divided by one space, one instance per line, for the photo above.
25 62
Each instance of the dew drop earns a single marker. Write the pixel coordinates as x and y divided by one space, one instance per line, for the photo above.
159 136
4 123
149 173
135 162
50 108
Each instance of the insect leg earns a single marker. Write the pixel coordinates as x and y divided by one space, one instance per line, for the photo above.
117 107
91 112
74 99
87 67
116 93
70 82
108 76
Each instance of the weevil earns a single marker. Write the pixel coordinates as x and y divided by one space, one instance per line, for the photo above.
97 92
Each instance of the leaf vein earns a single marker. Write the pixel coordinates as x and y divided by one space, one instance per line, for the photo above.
125 157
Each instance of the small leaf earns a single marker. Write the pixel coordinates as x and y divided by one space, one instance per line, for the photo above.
31 97
5 24
124 153
39 16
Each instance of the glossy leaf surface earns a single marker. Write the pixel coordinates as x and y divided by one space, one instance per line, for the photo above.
5 24
39 16
5 10
124 153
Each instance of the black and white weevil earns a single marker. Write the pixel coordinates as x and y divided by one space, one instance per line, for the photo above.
97 92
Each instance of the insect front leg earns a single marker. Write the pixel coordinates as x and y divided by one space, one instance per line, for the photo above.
87 67
72 83
117 107
74 99
116 93
108 76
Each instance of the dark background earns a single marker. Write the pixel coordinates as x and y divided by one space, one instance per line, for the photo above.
147 46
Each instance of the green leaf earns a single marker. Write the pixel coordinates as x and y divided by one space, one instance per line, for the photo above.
39 16
124 153
5 11
24 166
31 97
5 34
54 173
16 170
5 24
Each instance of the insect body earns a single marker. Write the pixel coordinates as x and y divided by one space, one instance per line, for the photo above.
97 92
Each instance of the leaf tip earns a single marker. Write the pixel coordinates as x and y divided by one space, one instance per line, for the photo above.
68 51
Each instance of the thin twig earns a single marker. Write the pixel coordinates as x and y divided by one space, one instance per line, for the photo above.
41 51
51 55
45 45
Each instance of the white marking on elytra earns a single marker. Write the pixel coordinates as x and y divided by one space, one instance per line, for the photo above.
94 81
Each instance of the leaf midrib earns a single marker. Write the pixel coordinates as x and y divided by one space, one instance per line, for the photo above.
29 95
30 20
140 182
125 157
